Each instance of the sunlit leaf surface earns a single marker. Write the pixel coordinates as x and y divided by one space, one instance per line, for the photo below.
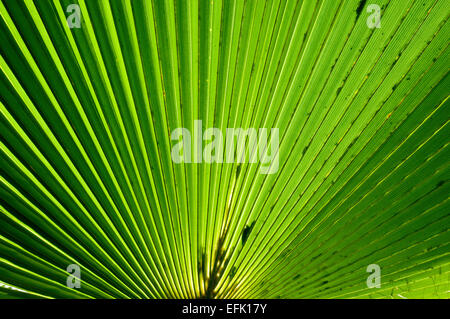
87 177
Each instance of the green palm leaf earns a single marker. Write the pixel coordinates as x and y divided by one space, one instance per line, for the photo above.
87 176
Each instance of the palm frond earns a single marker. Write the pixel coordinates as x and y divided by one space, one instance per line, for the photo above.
87 176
